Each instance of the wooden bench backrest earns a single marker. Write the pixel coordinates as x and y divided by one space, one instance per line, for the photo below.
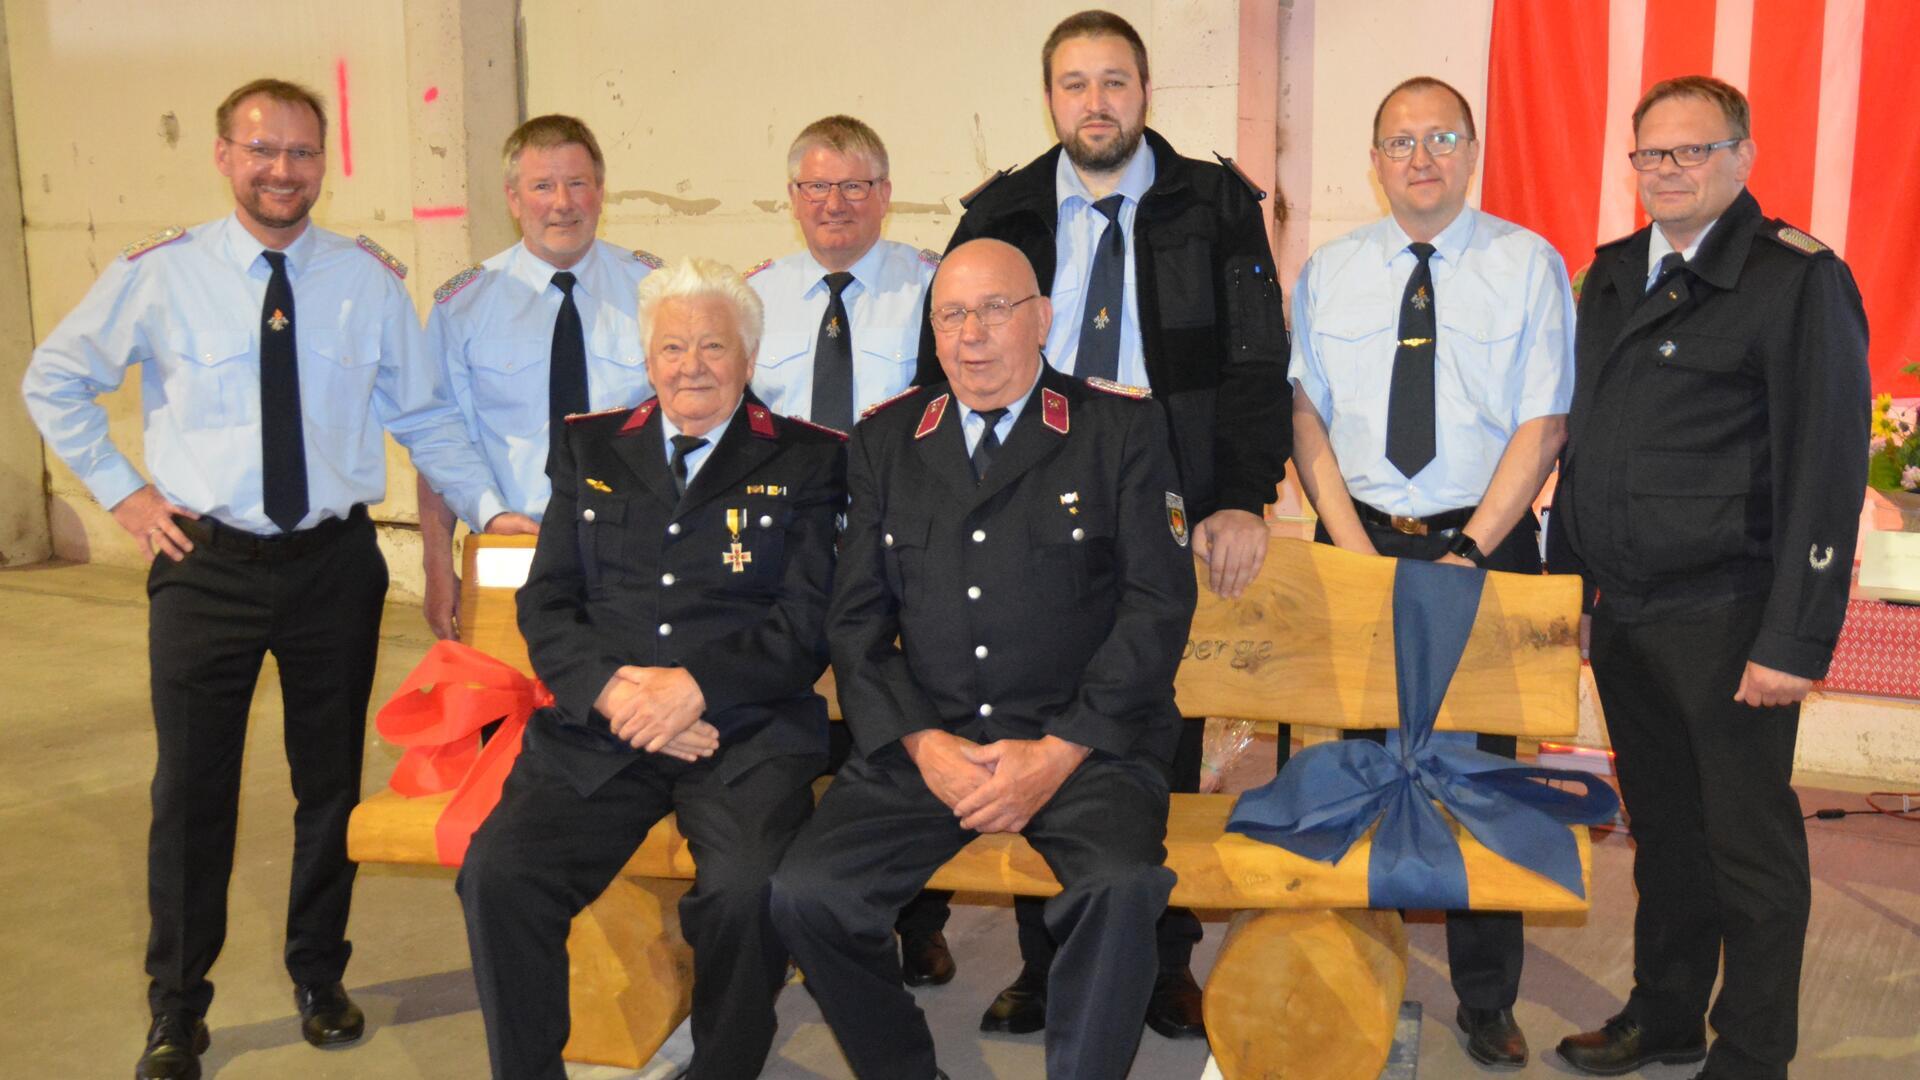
1311 642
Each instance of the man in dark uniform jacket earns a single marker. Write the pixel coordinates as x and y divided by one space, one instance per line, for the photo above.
675 609
1190 307
1710 491
1014 591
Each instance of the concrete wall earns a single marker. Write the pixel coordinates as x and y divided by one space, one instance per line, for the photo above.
23 504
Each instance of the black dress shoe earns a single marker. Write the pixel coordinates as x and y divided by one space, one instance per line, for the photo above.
1621 1046
1174 1009
327 1016
1021 1007
925 961
174 1045
1494 1039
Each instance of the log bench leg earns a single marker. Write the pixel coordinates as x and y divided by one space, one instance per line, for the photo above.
1306 995
631 973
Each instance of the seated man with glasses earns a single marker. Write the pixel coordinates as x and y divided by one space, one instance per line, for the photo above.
1433 352
1014 590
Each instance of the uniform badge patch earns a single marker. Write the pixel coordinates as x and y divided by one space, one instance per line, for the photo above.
930 257
145 244
1053 410
760 419
756 269
600 486
1794 238
930 420
640 416
652 261
1177 518
1819 558
1108 386
386 257
459 281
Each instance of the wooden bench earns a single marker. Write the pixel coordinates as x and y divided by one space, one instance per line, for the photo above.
1308 981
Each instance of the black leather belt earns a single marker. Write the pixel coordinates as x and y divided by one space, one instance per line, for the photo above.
206 532
1414 526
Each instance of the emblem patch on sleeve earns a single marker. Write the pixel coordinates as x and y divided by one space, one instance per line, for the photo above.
1177 518
1818 558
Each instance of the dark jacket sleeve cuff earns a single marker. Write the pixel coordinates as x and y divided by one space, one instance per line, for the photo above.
1101 734
1795 656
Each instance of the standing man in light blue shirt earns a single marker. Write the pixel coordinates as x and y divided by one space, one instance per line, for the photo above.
272 355
1433 355
543 329
844 315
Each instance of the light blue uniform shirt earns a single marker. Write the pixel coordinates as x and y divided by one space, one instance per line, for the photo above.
495 337
1503 353
973 426
1076 238
1659 247
884 302
188 312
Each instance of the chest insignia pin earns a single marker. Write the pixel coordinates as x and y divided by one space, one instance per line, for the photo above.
833 327
1420 299
279 321
1100 321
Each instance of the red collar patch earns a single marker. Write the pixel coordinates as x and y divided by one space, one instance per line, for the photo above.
760 419
930 420
640 416
1053 410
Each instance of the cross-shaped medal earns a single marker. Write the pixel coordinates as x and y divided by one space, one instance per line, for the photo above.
736 557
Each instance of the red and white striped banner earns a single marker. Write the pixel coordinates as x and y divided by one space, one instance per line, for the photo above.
1833 119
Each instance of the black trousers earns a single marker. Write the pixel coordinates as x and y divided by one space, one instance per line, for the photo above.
879 834
1178 930
212 619
546 852
1720 848
1485 949
927 913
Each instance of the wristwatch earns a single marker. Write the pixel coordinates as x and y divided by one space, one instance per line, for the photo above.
1465 547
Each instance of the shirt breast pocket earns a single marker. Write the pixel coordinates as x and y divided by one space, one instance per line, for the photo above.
763 535
619 376
1350 346
782 377
1073 553
601 536
339 369
884 361
903 547
509 380
1481 344
211 379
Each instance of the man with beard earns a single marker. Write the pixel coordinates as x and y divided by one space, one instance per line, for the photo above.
1161 278
272 355
543 329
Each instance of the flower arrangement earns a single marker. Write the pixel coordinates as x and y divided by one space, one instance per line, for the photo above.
1893 468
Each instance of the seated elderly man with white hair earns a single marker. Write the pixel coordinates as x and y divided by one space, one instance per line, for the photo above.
675 608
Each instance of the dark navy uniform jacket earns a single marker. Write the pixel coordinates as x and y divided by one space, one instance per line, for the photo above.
627 573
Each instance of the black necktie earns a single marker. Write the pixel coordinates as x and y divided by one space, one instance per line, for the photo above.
988 445
1671 262
833 360
567 376
682 446
283 451
1410 400
1099 353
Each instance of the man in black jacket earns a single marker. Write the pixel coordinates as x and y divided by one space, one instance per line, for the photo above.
675 609
1014 591
1160 276
1710 489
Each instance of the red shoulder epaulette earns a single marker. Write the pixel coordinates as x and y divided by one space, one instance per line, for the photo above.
1108 386
835 432
756 269
145 244
884 402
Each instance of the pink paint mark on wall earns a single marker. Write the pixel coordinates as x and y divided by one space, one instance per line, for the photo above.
422 213
432 93
346 117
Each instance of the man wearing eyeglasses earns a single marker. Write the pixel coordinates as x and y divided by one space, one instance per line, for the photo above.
272 355
540 331
1433 361
1710 493
1161 278
843 334
844 314
1005 498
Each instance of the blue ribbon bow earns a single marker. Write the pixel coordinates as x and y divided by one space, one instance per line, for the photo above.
1329 795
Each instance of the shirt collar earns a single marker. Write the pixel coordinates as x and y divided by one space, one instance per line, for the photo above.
1450 244
1658 246
244 249
1014 407
1135 179
865 270
537 272
668 430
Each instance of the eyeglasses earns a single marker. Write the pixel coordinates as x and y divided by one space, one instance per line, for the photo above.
263 154
1684 156
995 312
1438 143
850 190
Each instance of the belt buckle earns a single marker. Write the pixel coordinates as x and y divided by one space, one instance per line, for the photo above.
1411 526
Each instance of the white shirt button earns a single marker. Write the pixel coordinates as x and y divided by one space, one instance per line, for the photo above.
666 579
673 529
973 592
986 710
979 536
979 652
766 521
1079 534
666 628
587 514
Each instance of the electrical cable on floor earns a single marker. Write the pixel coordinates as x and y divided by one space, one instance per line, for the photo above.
1909 809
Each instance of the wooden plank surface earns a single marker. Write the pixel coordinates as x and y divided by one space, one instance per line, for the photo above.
1311 642
1216 870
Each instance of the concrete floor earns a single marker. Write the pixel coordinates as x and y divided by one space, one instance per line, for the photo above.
73 813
